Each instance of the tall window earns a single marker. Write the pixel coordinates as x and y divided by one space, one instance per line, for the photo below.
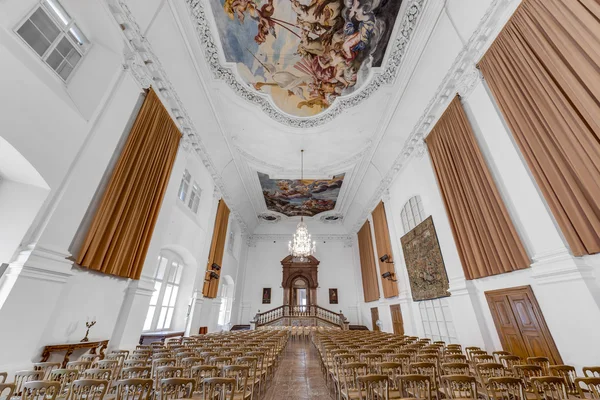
185 185
226 301
194 199
435 314
166 286
51 32
412 213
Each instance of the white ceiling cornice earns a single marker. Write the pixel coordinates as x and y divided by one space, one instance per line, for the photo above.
147 70
251 240
378 79
461 78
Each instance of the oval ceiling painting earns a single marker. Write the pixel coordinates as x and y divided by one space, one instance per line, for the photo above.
305 53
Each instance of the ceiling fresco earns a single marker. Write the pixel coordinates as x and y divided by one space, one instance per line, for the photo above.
305 54
295 197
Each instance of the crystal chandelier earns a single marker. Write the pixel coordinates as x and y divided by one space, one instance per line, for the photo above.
301 246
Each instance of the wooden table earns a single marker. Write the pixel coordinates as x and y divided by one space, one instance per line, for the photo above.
95 346
159 336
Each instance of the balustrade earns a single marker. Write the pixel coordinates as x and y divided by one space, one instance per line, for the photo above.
300 311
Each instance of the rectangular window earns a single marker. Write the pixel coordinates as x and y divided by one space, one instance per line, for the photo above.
166 287
184 186
194 199
437 320
53 35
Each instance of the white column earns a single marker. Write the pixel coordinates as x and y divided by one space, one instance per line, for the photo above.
195 313
214 315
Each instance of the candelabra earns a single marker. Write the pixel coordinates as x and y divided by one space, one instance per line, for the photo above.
88 324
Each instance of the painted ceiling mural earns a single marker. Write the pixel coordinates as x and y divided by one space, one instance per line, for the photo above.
305 53
295 197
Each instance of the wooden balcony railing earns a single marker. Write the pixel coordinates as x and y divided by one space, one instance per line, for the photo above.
324 314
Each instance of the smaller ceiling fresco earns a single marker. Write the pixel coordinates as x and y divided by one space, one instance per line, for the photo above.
305 53
295 197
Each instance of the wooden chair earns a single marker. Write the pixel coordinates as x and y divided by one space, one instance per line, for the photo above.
415 386
240 373
134 389
550 387
336 372
88 389
506 388
219 389
40 390
483 359
254 380
176 388
568 373
97 374
348 383
500 353
591 389
404 359
455 358
429 369
460 386
393 370
526 373
22 377
373 387
64 377
91 358
489 370
187 364
136 373
543 362
510 361
46 368
591 372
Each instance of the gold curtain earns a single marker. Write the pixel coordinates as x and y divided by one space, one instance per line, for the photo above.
384 246
217 248
487 241
544 71
367 264
120 233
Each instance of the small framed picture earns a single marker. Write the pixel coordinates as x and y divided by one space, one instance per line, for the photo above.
333 296
266 295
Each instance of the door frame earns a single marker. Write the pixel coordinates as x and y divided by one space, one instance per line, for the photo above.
399 308
373 321
537 311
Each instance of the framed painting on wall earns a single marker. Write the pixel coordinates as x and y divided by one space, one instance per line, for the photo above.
333 296
266 296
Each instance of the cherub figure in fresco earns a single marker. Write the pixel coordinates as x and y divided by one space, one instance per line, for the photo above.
237 8
357 39
319 12
266 24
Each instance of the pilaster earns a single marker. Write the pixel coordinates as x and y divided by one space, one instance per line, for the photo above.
194 323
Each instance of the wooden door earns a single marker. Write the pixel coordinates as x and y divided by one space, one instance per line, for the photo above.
375 318
521 325
397 321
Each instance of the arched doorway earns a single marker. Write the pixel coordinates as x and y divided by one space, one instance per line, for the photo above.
300 281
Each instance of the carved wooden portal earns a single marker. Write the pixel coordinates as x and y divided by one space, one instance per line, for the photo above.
294 270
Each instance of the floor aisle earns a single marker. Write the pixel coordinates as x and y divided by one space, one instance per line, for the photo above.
299 375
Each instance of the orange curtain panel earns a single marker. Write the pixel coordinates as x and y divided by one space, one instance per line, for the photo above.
384 246
367 263
544 71
217 248
487 241
121 230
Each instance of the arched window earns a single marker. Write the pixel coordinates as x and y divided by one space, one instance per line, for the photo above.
412 213
226 301
166 287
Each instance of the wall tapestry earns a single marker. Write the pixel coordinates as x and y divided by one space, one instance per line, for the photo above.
295 197
266 296
305 54
333 296
424 262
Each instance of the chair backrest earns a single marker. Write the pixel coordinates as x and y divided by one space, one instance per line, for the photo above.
7 390
91 358
455 369
65 377
134 389
88 389
176 388
550 387
591 389
510 361
543 362
426 368
349 373
213 387
526 372
489 370
97 373
200 372
484 359
136 373
591 372
79 365
460 386
3 376
40 390
373 387
506 387
46 367
21 377
500 353
415 386
568 373
135 363
168 371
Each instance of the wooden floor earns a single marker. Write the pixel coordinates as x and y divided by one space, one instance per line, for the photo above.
299 375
